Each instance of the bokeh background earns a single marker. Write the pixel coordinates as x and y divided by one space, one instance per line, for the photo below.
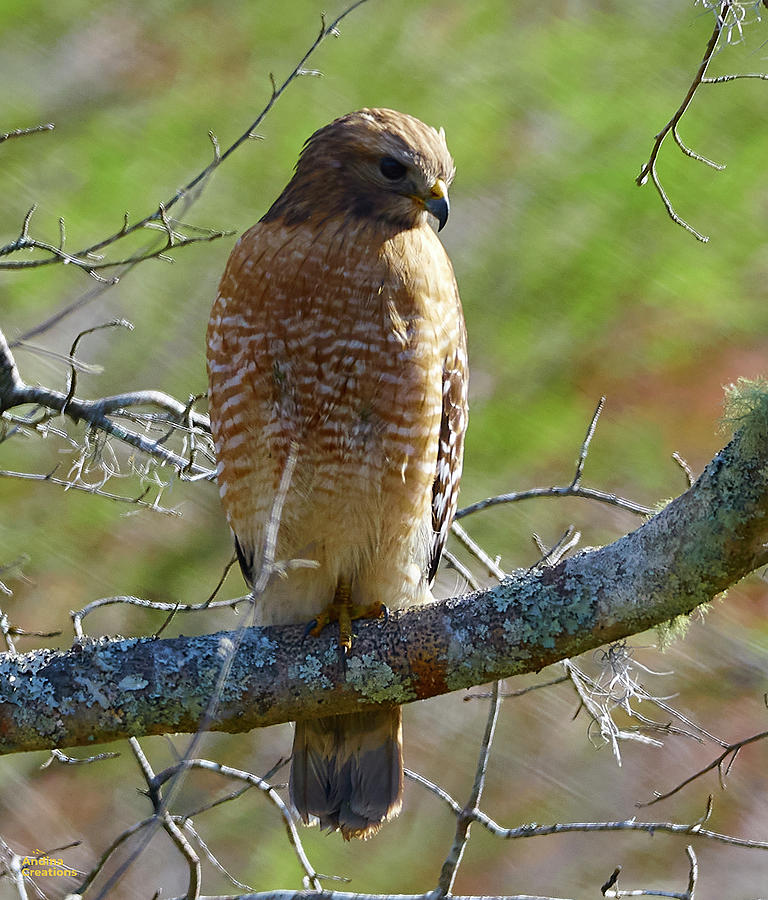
575 284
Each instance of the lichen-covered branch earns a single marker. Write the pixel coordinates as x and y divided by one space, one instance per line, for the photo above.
705 540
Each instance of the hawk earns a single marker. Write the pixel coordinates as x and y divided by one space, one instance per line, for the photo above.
337 341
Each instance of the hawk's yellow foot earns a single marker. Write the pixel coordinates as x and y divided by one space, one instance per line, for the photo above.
342 610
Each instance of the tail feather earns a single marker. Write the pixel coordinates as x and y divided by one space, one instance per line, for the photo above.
347 771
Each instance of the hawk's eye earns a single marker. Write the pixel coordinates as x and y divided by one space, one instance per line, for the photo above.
392 169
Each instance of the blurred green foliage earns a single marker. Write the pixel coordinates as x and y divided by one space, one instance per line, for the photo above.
575 284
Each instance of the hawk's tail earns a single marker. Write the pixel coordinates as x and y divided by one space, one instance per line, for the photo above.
347 771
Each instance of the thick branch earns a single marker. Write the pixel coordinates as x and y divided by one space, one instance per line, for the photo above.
705 540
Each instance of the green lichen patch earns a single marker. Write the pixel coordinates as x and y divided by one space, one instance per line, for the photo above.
376 680
310 671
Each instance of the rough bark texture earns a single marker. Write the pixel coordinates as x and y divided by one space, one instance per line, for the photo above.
106 689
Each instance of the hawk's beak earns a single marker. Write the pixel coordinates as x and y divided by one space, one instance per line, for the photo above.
437 203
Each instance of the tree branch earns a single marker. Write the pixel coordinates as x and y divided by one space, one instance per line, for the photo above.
705 540
14 392
87 258
727 17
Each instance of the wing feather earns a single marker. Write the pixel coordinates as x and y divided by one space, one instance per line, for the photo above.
450 451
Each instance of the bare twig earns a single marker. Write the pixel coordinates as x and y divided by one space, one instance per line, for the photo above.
611 887
469 813
464 571
586 443
94 489
58 756
574 489
492 565
227 569
170 826
23 132
159 217
92 263
211 857
551 556
728 755
685 467
649 169
14 392
563 491
533 829
79 615
310 876
520 691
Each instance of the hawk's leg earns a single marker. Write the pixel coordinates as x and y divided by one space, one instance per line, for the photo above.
342 610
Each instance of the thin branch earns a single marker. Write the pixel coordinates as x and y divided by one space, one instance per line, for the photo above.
465 572
611 889
171 828
159 217
649 169
79 615
84 259
492 565
533 829
687 471
574 489
14 392
93 489
562 491
469 813
311 877
226 570
520 691
585 444
551 556
23 132
722 79
731 751
211 857
58 756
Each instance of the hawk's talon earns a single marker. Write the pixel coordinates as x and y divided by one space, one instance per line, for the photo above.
343 611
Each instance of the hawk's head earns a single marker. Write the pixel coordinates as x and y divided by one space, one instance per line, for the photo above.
374 163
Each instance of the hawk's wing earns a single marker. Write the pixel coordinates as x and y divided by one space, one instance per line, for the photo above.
450 451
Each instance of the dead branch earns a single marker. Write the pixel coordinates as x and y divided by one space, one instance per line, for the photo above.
23 132
573 489
101 414
89 258
533 829
729 754
722 25
611 887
